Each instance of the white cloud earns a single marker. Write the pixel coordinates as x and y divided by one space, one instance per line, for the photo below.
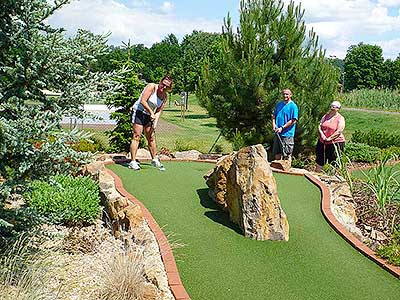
167 7
146 25
391 47
338 22
389 3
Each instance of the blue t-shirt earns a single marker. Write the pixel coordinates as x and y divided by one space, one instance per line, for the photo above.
285 112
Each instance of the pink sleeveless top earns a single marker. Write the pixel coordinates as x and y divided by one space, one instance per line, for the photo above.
330 125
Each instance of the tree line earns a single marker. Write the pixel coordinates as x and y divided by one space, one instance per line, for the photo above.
364 66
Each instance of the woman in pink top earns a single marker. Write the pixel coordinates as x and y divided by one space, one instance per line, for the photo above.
330 136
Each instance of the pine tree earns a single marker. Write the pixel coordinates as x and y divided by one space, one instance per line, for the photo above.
35 57
131 87
269 51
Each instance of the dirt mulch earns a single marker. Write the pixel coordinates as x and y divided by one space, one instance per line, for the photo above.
370 217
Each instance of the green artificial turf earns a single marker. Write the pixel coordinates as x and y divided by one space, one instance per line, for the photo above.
219 263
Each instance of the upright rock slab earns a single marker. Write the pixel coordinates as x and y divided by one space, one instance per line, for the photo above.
242 183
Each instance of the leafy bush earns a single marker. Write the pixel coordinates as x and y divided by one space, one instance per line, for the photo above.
302 161
362 152
377 138
85 146
183 145
218 148
391 251
101 140
391 151
14 221
65 199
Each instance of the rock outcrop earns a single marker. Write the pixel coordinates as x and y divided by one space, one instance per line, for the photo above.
191 155
242 184
342 204
129 225
283 164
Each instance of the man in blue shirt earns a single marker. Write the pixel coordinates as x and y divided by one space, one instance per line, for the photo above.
284 121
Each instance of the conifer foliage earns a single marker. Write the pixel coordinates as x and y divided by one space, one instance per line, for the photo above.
34 57
269 51
122 102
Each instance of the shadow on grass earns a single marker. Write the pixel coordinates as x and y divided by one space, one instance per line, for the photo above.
197 117
216 214
208 125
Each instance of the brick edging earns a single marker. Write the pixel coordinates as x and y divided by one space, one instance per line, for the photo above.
341 230
174 280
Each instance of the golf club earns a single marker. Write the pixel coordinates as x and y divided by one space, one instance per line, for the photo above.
284 152
153 125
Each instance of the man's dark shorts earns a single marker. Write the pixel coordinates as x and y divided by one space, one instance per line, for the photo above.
139 117
285 148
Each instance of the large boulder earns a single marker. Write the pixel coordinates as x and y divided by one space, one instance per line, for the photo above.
242 184
190 155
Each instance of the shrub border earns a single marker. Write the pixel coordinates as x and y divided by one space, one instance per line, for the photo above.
174 280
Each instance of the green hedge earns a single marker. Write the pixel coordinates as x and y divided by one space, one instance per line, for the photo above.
362 152
377 138
65 199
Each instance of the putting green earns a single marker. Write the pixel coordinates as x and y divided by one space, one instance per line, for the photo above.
218 263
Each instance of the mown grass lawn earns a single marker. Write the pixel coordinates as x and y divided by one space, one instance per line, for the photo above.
218 263
365 121
197 130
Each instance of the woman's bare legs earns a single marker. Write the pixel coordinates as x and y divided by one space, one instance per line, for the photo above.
151 140
137 132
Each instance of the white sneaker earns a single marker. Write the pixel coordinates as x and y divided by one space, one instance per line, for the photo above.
134 165
156 163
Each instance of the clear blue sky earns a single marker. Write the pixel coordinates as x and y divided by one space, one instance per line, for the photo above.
338 23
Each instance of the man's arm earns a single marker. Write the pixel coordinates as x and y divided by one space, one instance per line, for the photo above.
286 125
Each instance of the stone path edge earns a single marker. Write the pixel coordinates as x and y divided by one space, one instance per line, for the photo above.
175 283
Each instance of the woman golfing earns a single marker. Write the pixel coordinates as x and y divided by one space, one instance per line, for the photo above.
331 138
146 112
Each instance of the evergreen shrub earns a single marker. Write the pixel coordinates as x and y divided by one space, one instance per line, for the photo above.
65 199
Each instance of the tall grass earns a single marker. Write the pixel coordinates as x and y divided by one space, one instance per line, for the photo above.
373 99
25 274
383 183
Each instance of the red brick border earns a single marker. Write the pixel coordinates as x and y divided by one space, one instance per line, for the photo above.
167 256
174 280
341 230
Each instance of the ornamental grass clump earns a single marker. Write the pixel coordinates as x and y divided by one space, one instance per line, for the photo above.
25 273
65 199
383 183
